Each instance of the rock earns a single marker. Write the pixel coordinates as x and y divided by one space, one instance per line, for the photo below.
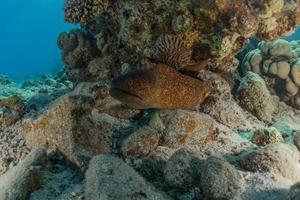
4 80
221 105
297 139
181 169
12 148
60 180
277 159
294 192
152 170
141 142
286 129
103 68
19 181
262 137
39 101
71 126
220 180
51 82
110 178
162 153
99 91
228 113
255 97
11 110
31 83
183 127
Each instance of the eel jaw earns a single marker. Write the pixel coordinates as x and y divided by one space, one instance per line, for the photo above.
126 97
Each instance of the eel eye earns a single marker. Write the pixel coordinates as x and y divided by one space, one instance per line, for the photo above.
130 83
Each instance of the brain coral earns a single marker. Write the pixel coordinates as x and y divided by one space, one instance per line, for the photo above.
174 50
83 11
278 62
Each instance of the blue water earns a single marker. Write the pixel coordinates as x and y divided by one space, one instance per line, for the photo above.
28 34
294 36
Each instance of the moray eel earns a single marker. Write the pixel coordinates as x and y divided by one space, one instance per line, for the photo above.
161 87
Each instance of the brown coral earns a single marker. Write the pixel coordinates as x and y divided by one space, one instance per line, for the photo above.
273 28
77 51
175 50
221 29
83 11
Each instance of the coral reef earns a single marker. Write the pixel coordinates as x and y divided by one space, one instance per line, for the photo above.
84 11
175 50
183 123
277 62
183 34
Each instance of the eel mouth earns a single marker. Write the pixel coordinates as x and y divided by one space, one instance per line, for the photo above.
123 95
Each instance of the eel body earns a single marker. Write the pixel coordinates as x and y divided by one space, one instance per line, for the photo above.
161 87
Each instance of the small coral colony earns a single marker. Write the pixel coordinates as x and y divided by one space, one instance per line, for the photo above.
185 36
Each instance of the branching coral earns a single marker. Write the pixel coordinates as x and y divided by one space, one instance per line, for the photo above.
279 63
83 11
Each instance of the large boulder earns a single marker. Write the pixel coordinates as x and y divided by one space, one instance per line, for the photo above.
181 170
256 98
141 142
220 180
110 178
19 181
72 126
276 159
294 192
183 127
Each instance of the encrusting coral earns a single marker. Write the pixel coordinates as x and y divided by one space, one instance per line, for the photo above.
77 51
278 62
83 11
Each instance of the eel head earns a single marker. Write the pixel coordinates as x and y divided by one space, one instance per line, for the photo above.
136 88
